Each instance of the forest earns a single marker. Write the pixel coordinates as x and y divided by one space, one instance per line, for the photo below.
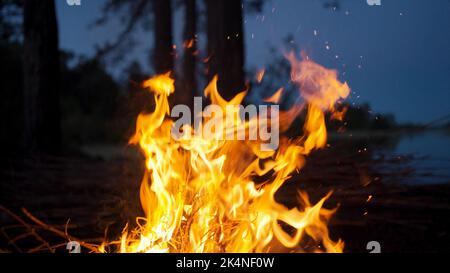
70 123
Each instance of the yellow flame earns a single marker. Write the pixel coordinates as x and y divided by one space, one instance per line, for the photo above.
200 194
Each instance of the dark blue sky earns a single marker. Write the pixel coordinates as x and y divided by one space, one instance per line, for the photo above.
395 56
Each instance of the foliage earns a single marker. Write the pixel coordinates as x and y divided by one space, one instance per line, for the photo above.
10 19
89 98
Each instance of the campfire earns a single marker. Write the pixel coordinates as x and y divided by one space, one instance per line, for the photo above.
201 127
215 193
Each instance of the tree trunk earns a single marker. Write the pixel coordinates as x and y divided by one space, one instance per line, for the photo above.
42 130
162 57
189 67
226 45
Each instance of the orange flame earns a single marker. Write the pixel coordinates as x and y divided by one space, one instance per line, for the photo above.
260 75
200 194
339 114
189 43
275 98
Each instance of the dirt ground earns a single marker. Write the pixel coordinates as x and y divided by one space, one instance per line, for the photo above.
103 194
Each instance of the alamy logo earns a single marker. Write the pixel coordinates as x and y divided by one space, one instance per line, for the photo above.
73 247
374 2
373 247
232 122
73 2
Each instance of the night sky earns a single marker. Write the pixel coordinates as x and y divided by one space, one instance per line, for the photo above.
395 56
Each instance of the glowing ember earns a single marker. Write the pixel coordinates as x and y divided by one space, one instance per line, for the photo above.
260 75
199 193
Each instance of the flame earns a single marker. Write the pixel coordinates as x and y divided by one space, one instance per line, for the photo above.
200 194
318 86
275 98
260 75
339 114
189 43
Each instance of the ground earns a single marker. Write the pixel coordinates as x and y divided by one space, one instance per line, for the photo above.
102 193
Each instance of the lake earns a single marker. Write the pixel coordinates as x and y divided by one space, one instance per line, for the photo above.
428 155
